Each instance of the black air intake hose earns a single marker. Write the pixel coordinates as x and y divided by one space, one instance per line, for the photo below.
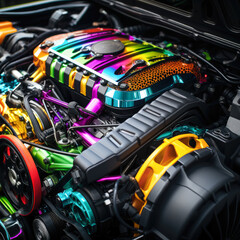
112 19
140 29
29 48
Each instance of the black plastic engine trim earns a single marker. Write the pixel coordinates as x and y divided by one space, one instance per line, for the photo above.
48 63
57 69
107 154
77 81
67 72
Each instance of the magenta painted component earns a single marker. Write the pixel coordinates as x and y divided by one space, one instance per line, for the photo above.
45 96
115 178
95 105
87 137
17 235
95 90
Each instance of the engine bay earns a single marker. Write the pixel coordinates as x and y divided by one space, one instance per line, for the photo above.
111 128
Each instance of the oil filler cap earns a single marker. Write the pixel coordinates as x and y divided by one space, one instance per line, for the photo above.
108 47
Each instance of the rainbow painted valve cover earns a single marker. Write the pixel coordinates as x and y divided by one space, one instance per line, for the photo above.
121 70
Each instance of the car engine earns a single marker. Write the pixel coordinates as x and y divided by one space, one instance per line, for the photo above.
114 128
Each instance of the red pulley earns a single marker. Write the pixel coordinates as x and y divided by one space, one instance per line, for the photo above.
19 176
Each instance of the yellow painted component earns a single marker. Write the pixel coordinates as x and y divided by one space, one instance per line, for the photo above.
6 28
71 78
38 75
35 73
83 85
13 115
18 119
166 155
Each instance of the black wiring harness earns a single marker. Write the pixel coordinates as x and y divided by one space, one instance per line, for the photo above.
124 181
181 48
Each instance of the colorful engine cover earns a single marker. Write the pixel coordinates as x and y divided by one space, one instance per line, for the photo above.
121 70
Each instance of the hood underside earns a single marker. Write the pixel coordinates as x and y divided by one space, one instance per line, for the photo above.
215 21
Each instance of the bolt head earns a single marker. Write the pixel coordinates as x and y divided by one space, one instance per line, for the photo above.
123 86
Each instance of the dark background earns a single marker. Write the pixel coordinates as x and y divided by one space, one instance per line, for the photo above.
8 3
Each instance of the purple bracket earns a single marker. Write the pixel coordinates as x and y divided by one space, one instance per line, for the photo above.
95 105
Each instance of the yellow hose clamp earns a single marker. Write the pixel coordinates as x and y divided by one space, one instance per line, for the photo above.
166 155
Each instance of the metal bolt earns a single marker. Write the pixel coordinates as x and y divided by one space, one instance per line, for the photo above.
21 118
85 72
103 82
58 201
93 76
46 160
18 184
123 86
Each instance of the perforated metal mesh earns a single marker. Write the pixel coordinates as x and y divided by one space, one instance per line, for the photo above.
155 73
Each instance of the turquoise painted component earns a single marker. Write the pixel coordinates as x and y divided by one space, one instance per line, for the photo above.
80 209
7 86
181 129
125 99
3 228
65 197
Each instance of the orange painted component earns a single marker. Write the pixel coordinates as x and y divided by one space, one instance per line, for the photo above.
39 59
166 155
6 28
